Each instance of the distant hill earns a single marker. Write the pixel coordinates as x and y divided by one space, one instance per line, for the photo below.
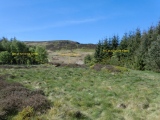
61 44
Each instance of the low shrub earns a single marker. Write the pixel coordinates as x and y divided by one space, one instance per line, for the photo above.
89 60
14 97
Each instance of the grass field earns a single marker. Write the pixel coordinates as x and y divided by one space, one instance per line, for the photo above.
83 93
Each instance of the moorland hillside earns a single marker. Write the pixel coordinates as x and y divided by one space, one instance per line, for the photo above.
54 45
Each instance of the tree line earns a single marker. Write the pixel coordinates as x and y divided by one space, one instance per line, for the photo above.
15 52
143 50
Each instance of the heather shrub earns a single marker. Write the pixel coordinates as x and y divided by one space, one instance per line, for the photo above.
14 97
38 102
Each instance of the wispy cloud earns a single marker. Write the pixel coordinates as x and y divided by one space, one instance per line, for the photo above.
82 21
74 22
57 24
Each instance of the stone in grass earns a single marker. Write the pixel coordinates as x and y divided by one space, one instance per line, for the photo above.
78 114
57 64
122 105
145 106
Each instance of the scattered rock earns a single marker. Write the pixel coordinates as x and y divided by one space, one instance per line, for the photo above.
122 105
78 114
80 62
57 64
145 106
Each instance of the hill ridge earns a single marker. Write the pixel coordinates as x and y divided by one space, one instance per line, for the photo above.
61 44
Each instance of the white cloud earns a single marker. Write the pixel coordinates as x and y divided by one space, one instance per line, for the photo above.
57 24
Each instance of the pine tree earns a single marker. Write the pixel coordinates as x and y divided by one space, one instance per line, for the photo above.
110 43
106 44
115 41
137 38
153 56
98 52
122 46
158 28
144 49
124 42
138 57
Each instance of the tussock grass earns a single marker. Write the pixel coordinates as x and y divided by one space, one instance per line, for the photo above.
84 93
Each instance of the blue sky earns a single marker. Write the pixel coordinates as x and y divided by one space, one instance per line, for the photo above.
84 21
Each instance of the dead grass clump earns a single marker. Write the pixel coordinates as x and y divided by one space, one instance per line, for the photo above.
14 97
111 68
98 67
75 66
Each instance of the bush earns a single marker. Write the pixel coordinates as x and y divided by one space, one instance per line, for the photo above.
14 97
5 57
89 60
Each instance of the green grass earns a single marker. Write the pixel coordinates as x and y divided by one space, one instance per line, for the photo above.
78 93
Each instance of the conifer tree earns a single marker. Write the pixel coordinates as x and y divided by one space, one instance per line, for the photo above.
106 44
115 40
144 49
123 46
98 52
158 28
153 56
